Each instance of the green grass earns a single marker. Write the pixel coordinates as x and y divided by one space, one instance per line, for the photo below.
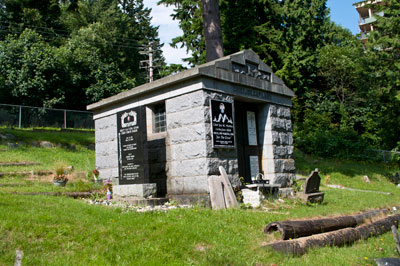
64 231
81 158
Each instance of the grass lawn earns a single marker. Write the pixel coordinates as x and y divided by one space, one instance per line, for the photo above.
65 231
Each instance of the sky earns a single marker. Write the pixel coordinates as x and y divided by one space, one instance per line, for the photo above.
342 12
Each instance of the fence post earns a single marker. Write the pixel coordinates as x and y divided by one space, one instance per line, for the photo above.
19 120
65 118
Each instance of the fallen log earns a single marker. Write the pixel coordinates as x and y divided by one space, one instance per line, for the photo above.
298 228
340 237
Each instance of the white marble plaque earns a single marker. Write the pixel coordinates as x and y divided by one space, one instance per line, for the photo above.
251 128
254 169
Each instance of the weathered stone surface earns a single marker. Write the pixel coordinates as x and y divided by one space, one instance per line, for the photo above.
106 135
282 179
290 136
312 183
278 123
106 148
195 185
283 138
109 161
188 134
194 167
288 166
188 150
46 144
283 112
108 173
106 122
187 117
175 185
184 102
273 112
288 125
135 190
252 197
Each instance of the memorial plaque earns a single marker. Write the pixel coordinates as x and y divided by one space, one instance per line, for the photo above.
251 128
130 147
223 134
254 167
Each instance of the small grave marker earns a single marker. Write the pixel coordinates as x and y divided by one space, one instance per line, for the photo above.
311 189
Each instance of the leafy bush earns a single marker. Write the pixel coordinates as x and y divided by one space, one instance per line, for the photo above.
332 144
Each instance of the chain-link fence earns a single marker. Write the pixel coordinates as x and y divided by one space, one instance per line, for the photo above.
27 116
385 156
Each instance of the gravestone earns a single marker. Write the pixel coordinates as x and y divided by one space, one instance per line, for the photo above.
311 189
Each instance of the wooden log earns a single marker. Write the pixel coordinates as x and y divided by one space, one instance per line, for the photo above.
293 229
340 237
396 238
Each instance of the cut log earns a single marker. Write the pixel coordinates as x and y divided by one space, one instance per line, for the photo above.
340 237
293 229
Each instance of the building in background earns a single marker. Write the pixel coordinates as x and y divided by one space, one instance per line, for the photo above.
367 19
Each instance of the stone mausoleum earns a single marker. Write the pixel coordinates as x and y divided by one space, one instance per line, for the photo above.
165 138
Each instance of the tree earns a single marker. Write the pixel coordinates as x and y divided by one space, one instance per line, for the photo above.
383 53
212 30
92 50
32 71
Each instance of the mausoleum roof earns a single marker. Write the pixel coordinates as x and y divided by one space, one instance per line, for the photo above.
244 68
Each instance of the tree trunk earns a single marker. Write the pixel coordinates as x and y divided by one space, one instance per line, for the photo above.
212 30
336 238
294 229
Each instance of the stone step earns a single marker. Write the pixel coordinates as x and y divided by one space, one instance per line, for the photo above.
140 201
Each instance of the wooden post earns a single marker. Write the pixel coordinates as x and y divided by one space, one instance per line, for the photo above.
19 120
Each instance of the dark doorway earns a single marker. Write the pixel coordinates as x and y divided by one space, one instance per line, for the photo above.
248 148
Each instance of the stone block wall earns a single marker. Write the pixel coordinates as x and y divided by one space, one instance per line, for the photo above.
190 155
107 146
275 131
